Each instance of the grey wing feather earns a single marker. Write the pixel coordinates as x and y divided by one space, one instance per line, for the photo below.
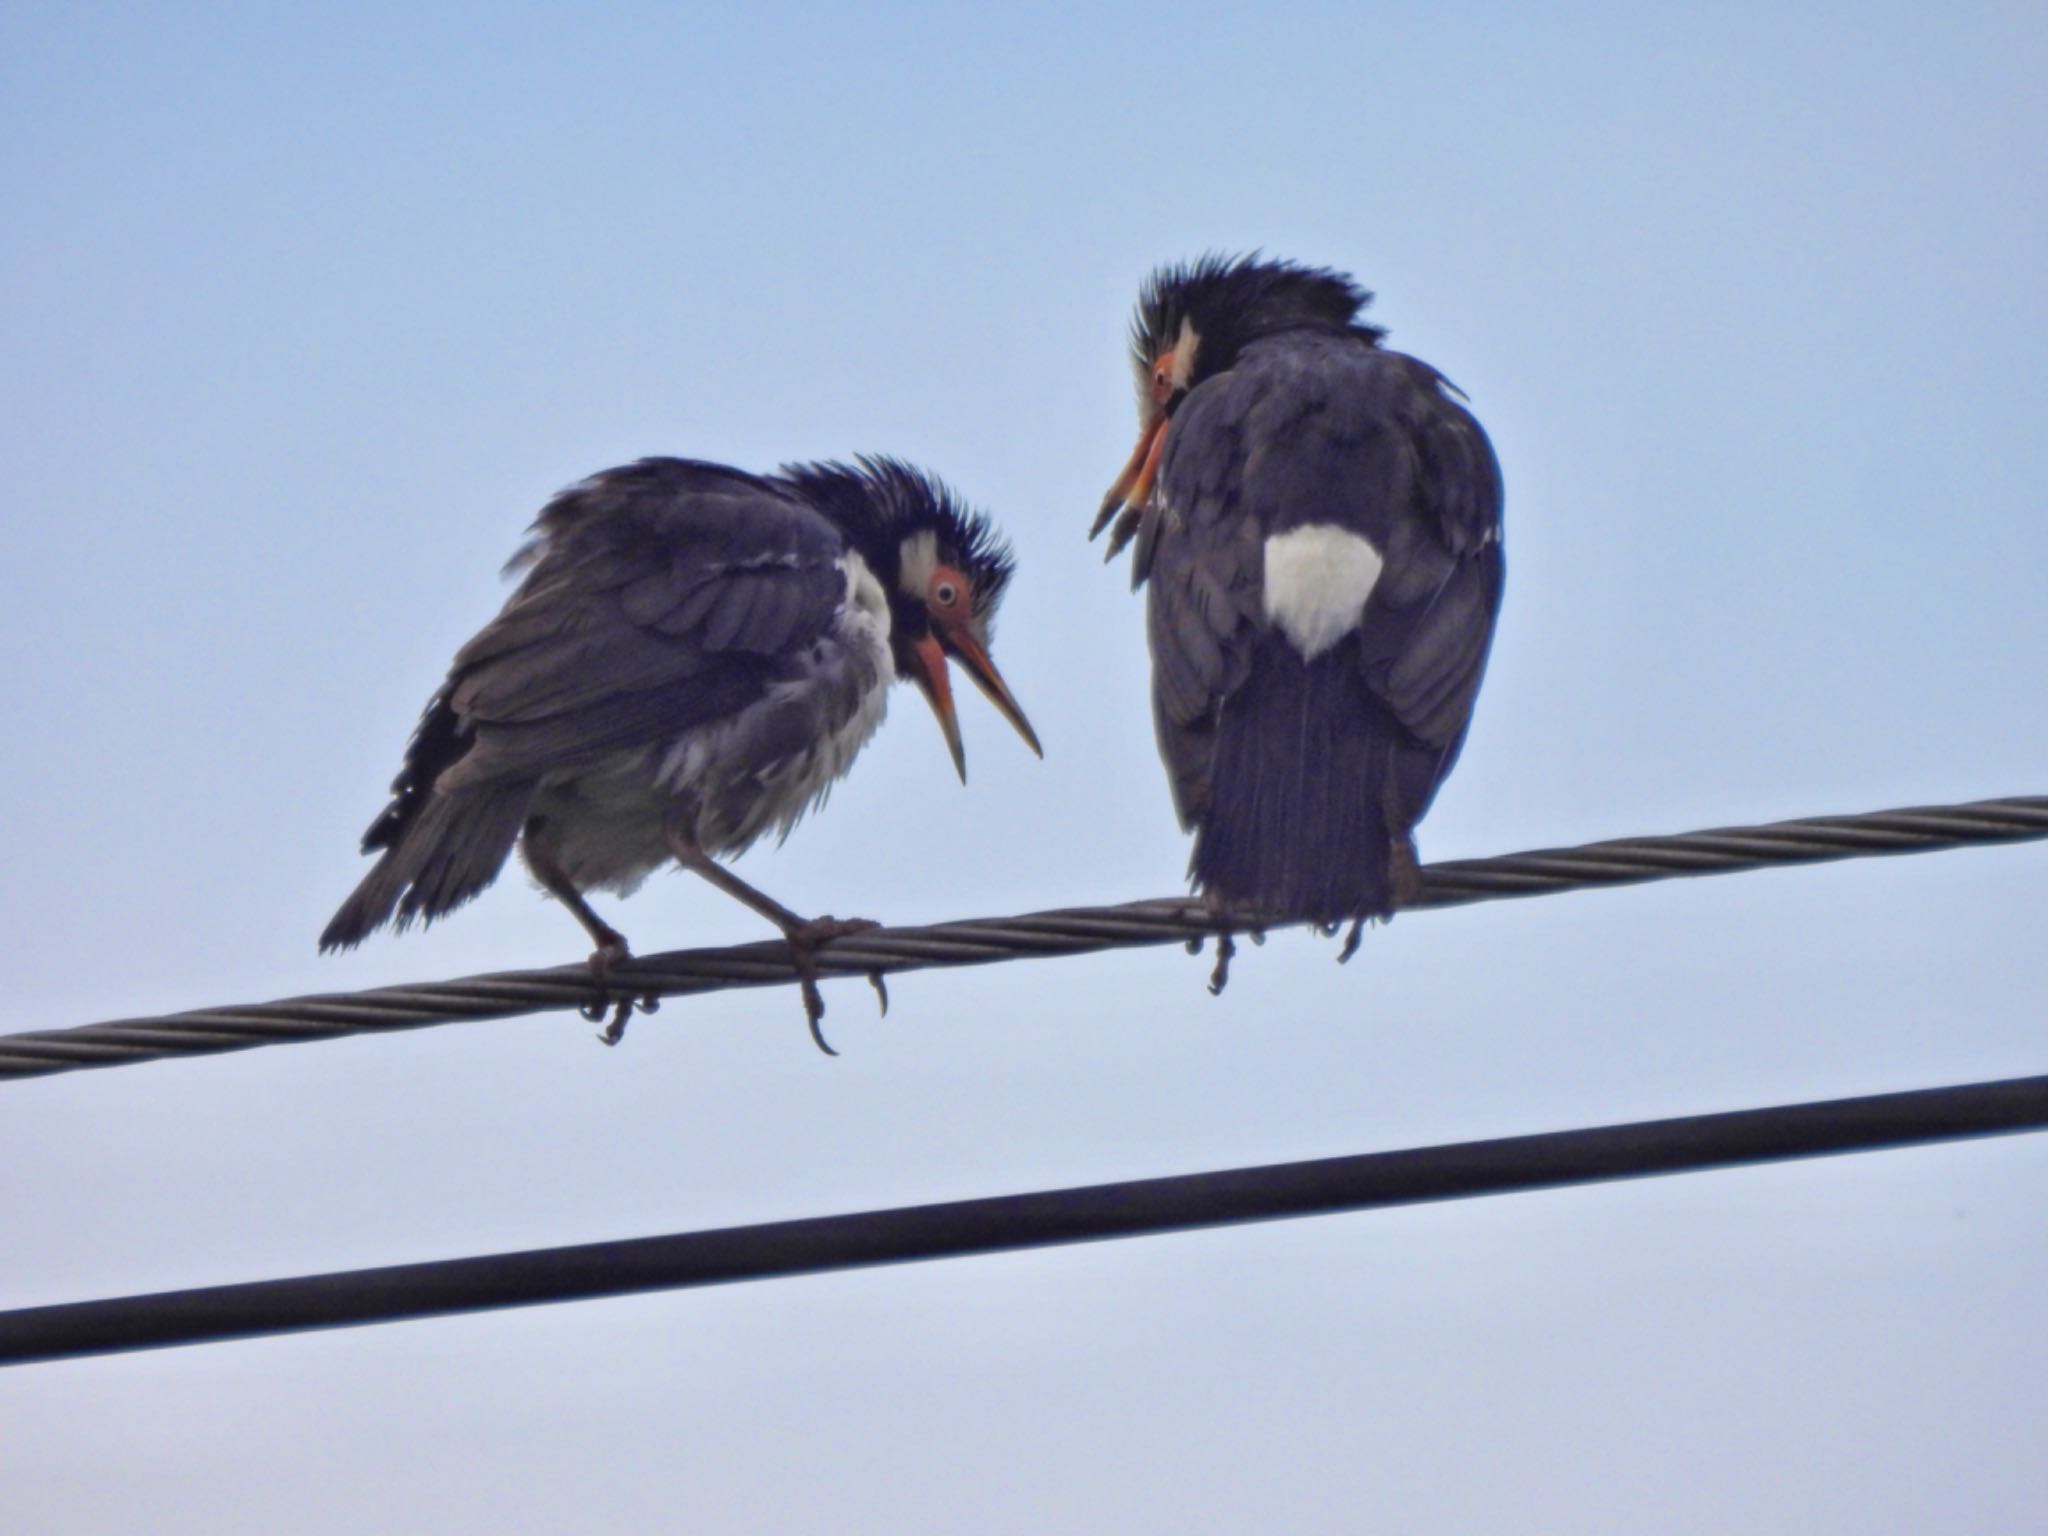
1428 629
642 614
1203 564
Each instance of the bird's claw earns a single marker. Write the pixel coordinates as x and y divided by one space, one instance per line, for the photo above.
814 1012
1350 940
600 965
615 1031
626 1007
608 954
1219 977
803 943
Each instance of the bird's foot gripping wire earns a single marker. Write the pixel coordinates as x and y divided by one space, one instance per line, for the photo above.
803 934
1404 889
804 939
611 944
1220 912
609 952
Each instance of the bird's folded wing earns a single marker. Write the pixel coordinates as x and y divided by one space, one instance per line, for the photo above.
658 598
1429 623
1202 561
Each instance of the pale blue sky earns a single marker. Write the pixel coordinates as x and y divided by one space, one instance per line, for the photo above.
304 312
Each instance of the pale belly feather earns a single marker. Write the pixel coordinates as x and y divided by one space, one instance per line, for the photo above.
761 768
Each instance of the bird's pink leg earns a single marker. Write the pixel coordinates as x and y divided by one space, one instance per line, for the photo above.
611 944
804 934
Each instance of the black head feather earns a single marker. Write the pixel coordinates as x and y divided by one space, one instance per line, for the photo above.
878 502
1231 301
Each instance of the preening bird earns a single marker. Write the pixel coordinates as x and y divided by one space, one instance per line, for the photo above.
694 656
1318 522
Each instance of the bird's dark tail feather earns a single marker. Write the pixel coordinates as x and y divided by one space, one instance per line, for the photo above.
1297 823
452 850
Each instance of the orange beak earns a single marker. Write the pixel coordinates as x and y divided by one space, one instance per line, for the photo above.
935 680
1133 488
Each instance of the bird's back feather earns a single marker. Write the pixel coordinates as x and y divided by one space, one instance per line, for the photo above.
1301 774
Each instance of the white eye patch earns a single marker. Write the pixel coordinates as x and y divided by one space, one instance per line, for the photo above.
916 562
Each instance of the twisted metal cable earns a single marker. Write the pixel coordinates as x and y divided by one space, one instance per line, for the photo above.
1068 931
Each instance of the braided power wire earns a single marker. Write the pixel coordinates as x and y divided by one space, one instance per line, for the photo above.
1069 931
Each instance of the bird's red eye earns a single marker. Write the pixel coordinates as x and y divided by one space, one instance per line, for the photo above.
1162 379
947 595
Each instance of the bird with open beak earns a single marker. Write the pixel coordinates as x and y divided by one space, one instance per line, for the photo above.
1318 521
694 656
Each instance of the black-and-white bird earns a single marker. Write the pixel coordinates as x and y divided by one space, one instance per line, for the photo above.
694 656
1319 523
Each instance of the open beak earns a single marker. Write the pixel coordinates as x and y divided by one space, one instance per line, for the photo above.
974 656
1134 486
935 680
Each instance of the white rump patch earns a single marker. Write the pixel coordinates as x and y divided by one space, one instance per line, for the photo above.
1318 577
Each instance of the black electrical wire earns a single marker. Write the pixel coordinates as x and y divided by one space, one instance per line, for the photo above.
1073 931
1137 1208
